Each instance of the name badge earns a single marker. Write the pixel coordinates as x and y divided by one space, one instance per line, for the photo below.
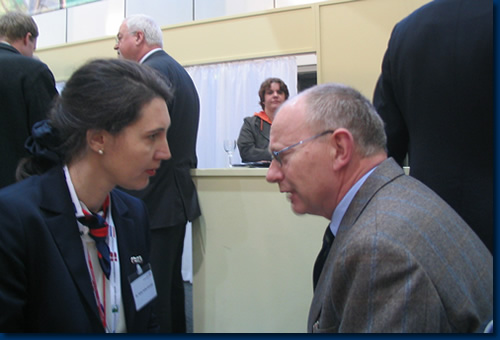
143 286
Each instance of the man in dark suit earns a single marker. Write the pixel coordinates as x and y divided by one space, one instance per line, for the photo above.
171 197
396 257
27 88
435 95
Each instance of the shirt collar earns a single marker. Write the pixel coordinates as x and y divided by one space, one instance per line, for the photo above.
341 208
72 192
79 205
148 54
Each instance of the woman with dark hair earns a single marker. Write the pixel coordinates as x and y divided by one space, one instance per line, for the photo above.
74 250
253 140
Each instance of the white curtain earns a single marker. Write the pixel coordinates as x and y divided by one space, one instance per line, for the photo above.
228 93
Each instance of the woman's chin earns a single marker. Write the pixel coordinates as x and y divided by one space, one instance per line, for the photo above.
136 186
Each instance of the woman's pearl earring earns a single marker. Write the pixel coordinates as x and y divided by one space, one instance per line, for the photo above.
101 152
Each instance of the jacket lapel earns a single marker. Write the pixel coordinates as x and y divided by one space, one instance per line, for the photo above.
125 231
385 173
61 222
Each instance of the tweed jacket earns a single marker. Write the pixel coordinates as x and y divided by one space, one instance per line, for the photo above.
402 261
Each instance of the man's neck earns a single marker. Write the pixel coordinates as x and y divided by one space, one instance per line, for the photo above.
357 169
148 52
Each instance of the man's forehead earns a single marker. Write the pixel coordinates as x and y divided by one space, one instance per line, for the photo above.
123 28
292 112
288 122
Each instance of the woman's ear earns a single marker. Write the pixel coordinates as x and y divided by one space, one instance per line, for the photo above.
342 144
96 140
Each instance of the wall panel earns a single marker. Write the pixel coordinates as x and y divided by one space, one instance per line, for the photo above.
94 20
354 37
63 60
51 27
349 37
206 9
272 33
165 12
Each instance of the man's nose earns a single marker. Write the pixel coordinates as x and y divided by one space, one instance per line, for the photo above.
274 173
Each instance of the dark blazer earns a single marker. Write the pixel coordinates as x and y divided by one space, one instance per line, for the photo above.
435 95
402 261
171 195
45 285
253 140
27 88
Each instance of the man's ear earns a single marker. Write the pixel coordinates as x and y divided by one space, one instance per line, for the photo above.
27 38
342 144
139 38
96 140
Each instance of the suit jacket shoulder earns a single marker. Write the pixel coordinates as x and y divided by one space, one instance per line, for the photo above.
402 261
27 89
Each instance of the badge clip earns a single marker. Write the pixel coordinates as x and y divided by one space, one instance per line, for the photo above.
137 260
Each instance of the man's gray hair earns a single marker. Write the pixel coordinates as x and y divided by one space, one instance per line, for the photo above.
147 25
333 106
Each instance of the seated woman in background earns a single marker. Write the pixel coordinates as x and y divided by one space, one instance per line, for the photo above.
253 140
72 246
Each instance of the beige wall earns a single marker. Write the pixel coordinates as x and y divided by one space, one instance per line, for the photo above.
348 36
263 34
353 37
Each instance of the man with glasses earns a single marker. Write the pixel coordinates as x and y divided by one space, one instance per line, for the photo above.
396 257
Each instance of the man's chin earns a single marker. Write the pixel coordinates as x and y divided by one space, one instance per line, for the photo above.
298 210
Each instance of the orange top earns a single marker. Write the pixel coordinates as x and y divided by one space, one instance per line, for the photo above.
262 115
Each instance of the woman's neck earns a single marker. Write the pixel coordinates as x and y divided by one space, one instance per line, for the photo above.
270 113
89 186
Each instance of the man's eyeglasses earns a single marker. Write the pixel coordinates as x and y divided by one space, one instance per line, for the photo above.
276 154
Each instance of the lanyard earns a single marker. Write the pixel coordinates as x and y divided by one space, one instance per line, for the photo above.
101 304
112 285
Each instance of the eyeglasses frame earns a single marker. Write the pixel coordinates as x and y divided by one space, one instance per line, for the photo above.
276 154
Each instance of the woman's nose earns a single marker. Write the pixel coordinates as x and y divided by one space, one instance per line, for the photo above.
163 151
